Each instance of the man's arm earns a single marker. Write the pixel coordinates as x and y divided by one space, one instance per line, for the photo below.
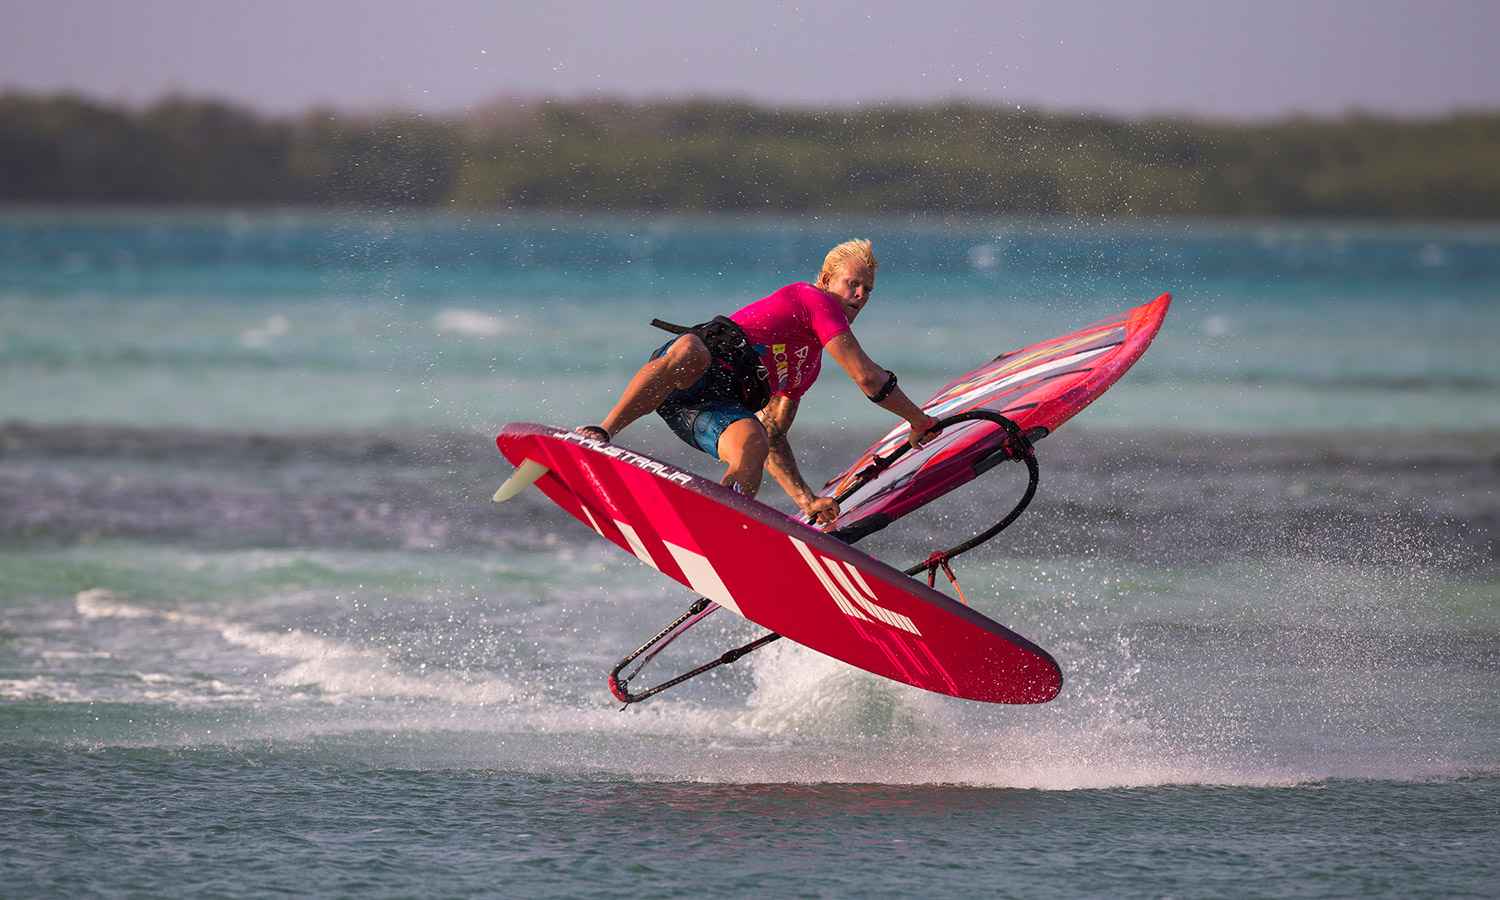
847 352
782 410
777 417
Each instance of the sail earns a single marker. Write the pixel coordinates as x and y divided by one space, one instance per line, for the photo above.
1039 388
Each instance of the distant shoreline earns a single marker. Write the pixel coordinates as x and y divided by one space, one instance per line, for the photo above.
725 156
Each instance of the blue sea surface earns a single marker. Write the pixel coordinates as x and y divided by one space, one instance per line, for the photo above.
262 633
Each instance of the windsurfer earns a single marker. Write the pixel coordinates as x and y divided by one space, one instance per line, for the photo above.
790 329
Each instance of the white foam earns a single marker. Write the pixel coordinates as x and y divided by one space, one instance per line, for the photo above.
801 691
336 671
40 688
1217 326
101 603
274 327
342 672
470 322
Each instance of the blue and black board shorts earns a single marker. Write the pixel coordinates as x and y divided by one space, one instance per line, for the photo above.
700 412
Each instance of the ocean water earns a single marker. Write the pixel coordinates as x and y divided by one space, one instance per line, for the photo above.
262 633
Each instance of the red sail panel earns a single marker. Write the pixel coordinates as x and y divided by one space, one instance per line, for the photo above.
1039 388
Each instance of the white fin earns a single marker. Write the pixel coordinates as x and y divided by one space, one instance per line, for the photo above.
526 474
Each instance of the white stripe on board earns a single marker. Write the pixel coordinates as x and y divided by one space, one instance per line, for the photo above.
636 546
703 577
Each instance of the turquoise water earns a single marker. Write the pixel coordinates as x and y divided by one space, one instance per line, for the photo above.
262 633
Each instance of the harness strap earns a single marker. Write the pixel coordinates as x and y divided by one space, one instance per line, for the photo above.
728 344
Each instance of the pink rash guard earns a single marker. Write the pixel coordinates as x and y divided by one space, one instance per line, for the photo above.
793 325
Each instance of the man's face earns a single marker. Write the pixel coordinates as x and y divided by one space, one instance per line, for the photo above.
851 283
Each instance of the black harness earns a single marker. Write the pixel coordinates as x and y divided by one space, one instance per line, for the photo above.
736 366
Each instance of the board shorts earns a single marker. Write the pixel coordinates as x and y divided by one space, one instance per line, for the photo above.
699 413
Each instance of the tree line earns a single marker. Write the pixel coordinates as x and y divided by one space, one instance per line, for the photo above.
700 155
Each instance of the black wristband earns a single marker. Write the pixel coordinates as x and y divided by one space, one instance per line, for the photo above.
885 389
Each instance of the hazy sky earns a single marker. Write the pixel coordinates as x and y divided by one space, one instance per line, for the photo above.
1250 59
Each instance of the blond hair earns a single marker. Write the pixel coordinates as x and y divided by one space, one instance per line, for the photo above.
856 249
